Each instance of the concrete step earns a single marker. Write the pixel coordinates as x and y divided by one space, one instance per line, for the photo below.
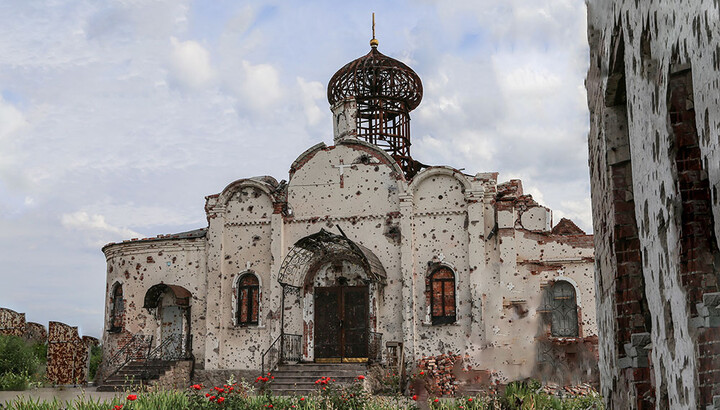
299 379
133 373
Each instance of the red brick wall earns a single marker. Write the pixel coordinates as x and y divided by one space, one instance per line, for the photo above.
698 245
632 313
697 238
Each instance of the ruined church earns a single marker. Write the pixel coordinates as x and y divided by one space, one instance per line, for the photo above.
364 255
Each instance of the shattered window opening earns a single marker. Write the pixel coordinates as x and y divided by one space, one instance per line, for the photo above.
117 309
442 300
248 292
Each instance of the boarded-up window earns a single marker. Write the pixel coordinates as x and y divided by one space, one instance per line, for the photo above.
248 292
117 309
563 309
442 298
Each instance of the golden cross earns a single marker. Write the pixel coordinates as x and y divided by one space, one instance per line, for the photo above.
373 42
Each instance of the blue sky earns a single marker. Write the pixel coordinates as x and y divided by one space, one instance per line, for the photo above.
118 118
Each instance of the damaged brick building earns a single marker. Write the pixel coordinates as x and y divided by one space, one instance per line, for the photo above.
653 87
364 254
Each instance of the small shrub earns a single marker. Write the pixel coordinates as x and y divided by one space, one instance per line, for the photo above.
13 381
16 356
95 359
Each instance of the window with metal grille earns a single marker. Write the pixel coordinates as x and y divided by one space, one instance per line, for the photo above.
561 305
442 298
117 309
248 291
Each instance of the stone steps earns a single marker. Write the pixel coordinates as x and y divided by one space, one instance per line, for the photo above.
299 379
136 373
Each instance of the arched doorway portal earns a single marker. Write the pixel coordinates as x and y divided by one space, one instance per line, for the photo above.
337 283
341 311
171 304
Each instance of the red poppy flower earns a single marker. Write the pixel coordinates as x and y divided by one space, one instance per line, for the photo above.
118 407
436 400
302 398
220 399
197 386
132 397
414 397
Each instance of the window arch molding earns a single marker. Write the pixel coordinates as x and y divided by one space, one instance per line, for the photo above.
117 308
441 294
242 293
561 304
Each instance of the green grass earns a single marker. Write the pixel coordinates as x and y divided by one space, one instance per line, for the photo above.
242 396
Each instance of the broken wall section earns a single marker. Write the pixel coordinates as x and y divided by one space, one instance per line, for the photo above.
68 354
671 119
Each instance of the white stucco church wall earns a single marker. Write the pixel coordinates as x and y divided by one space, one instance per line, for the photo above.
439 260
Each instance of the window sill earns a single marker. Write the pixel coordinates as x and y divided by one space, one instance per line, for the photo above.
249 327
430 324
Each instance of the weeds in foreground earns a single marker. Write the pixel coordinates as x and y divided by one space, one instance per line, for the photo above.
329 395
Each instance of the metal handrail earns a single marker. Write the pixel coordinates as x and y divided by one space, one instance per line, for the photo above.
286 346
375 346
273 356
129 354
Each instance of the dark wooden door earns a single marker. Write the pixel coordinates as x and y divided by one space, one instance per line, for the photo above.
327 322
341 320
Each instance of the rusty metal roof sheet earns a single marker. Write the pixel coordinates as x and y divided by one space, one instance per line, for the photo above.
152 296
317 248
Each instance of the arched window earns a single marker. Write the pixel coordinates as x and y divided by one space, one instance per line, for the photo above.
248 292
442 296
562 306
117 309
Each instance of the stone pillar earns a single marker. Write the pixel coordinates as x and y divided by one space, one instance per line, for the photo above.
476 259
216 227
344 119
407 266
277 248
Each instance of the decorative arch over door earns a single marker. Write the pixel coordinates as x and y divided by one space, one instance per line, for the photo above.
343 327
171 304
311 250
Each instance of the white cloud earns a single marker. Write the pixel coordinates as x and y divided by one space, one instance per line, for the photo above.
11 119
190 63
259 85
579 211
310 92
96 224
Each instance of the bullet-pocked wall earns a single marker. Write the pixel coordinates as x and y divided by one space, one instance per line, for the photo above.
655 168
353 252
134 269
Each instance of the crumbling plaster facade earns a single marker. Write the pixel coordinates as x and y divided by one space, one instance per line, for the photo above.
655 167
499 244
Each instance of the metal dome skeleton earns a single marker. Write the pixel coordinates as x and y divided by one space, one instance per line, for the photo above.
385 90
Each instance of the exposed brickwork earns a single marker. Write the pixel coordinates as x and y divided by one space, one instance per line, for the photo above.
670 118
708 343
698 246
439 372
632 312
567 227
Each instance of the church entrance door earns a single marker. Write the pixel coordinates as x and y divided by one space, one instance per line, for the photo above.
341 324
171 330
